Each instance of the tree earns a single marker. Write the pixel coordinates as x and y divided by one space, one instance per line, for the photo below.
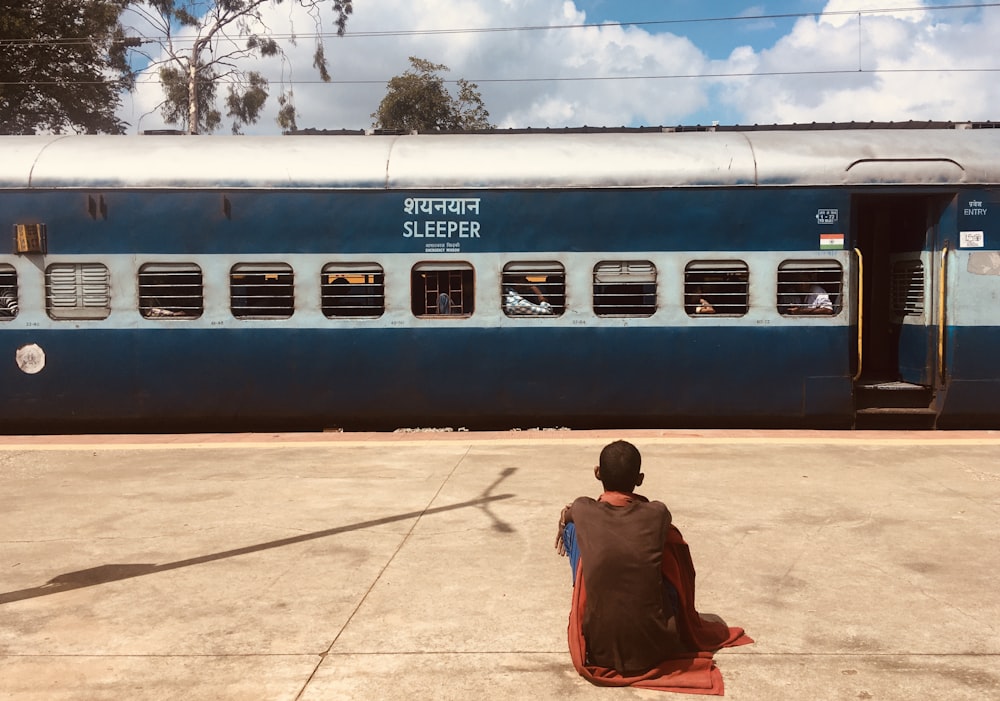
229 31
418 100
63 66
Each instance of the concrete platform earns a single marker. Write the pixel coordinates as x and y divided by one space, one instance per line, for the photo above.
420 566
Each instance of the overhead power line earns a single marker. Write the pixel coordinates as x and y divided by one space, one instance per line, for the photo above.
661 22
572 79
153 80
546 27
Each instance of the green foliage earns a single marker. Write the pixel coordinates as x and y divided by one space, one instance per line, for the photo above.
319 63
177 87
246 102
265 45
63 66
214 53
418 100
469 107
286 112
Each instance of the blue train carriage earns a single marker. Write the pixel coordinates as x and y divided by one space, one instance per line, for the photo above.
497 280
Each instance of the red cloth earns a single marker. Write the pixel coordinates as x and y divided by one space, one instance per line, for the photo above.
692 672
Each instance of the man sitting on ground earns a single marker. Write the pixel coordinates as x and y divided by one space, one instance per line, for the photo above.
633 620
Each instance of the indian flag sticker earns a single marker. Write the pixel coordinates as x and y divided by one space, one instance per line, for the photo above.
831 242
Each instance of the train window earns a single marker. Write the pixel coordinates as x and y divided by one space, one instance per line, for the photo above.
170 290
262 290
810 287
353 289
77 291
533 289
716 287
625 288
438 289
908 288
8 292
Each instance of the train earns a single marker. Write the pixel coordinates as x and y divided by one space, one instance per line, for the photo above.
836 276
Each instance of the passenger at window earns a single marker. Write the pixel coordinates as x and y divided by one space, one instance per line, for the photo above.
704 307
698 303
8 302
518 300
444 303
525 288
813 299
340 291
530 288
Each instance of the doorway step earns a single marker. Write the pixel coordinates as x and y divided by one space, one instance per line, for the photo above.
893 405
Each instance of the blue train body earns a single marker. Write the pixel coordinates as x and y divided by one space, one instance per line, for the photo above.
164 283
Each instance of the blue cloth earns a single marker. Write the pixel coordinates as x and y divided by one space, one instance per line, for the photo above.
572 549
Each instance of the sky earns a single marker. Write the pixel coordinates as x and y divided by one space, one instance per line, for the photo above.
649 63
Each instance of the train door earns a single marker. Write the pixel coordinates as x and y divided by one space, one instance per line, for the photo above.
900 240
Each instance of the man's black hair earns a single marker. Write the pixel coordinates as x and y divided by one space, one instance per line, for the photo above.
620 464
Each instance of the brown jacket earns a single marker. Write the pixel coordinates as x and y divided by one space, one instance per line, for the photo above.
625 618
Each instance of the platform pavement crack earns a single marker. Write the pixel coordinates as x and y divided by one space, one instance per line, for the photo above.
361 602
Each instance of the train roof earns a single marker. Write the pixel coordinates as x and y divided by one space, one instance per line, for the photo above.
506 160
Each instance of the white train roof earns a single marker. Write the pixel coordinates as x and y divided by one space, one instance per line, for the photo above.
505 160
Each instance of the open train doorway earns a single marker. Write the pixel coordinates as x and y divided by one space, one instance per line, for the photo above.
899 238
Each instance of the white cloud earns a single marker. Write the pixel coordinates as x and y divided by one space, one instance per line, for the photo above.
892 68
909 40
840 13
567 55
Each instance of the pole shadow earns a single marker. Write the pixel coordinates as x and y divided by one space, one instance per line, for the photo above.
104 574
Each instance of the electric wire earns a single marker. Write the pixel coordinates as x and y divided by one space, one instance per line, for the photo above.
152 80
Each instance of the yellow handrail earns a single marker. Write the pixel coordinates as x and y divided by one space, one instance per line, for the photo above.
861 296
941 313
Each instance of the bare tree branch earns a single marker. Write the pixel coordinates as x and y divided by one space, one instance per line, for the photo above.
217 43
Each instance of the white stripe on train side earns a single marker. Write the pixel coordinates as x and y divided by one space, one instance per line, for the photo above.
488 313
